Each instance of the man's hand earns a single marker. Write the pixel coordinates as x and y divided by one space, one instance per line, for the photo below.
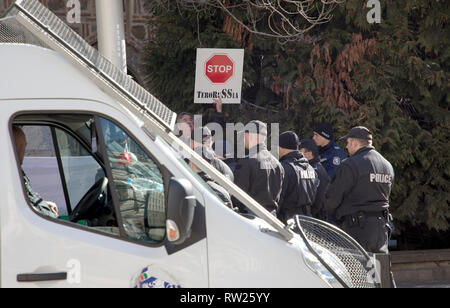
218 102
53 207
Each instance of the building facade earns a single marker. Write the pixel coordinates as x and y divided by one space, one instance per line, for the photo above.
87 28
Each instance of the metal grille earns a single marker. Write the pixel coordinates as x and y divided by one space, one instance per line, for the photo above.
357 262
13 33
53 30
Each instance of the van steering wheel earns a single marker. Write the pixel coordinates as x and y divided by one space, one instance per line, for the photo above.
97 192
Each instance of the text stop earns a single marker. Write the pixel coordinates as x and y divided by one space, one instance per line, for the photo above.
219 68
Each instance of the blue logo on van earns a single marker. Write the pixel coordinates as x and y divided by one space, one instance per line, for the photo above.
147 281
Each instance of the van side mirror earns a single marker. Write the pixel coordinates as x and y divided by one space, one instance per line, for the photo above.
180 210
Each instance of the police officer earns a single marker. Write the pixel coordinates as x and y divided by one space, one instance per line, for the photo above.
259 174
331 155
309 149
300 179
358 196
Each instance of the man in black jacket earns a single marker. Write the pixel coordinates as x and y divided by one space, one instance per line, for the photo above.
309 149
300 179
358 196
259 174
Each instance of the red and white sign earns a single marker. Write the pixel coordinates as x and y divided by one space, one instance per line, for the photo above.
218 74
219 68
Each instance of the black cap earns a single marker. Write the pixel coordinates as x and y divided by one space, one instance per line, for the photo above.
358 132
255 127
309 145
200 133
288 140
325 130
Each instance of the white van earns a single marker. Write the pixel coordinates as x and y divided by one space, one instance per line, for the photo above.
141 221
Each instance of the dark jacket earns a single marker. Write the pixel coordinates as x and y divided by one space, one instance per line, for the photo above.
299 186
331 157
318 208
362 183
219 118
221 192
261 176
231 162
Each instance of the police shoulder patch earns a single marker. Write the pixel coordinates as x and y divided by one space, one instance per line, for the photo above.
336 161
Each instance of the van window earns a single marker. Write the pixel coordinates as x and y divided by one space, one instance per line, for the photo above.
40 165
81 170
95 183
59 169
138 183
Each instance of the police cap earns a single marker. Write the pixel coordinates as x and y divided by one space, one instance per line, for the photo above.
358 132
325 130
288 140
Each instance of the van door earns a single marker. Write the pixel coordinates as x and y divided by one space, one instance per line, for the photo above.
110 191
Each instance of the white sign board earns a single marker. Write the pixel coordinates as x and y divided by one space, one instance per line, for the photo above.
218 75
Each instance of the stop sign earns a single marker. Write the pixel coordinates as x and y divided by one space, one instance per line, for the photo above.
219 68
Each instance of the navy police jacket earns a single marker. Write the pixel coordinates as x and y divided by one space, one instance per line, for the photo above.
318 209
362 184
299 186
331 157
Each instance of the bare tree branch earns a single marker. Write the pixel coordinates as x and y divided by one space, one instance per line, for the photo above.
285 20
